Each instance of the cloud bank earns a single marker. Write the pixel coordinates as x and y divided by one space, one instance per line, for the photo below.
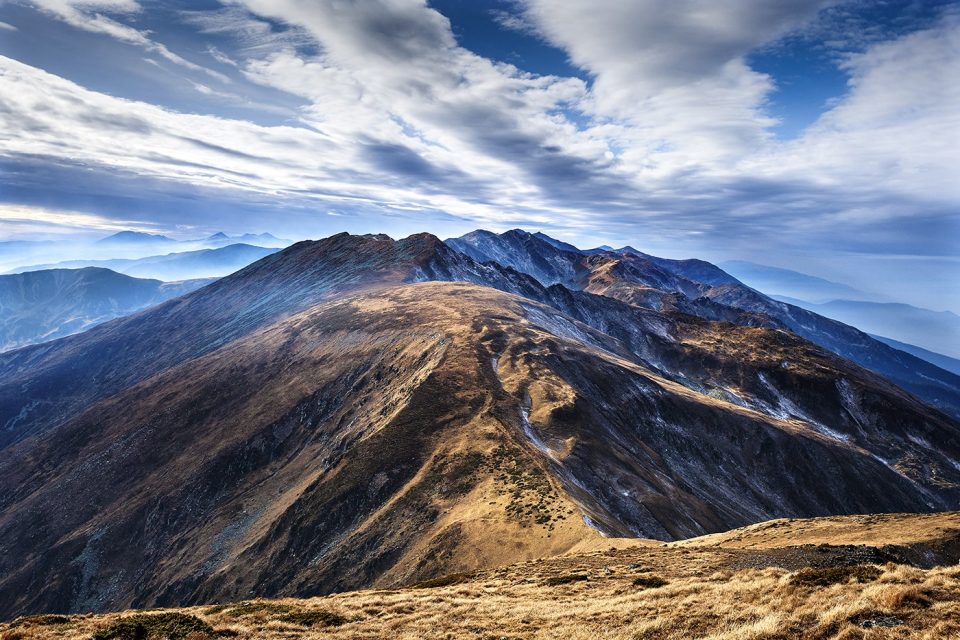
668 143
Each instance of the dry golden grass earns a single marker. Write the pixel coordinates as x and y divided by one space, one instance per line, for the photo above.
876 529
706 596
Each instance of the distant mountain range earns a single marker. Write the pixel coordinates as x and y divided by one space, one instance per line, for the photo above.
937 331
783 282
216 239
186 265
17 256
363 412
44 305
944 362
135 237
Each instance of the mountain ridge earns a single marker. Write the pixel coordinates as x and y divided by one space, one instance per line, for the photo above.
655 283
359 411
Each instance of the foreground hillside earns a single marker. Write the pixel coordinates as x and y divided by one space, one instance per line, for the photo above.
892 576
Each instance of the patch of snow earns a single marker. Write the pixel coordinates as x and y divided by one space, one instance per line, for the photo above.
849 401
532 435
934 380
24 412
786 409
593 525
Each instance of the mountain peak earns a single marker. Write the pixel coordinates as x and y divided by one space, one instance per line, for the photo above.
134 237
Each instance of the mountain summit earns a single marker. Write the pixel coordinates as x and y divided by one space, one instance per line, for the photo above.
358 411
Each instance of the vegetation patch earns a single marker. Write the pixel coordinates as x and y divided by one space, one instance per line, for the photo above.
444 581
256 609
650 582
169 626
826 576
555 581
531 497
315 618
40 620
872 622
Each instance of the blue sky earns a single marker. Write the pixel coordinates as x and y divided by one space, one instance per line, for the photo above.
815 135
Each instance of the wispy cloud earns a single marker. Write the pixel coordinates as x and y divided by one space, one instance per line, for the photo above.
21 219
669 142
93 16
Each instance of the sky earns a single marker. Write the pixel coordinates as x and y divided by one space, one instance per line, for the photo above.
817 135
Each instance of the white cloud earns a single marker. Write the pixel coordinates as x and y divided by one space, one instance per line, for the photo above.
18 219
676 146
5 26
90 15
673 74
898 129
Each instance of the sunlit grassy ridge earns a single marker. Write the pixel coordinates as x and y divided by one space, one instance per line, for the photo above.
640 590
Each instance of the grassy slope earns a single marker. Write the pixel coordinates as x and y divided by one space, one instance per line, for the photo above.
770 581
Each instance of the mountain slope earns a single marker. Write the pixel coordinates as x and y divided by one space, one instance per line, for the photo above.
184 265
944 362
325 419
935 330
43 305
784 282
671 285
123 352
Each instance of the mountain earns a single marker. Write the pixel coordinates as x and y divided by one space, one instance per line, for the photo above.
8 247
135 237
784 282
888 573
944 362
938 331
43 305
559 244
184 265
359 411
702 289
220 239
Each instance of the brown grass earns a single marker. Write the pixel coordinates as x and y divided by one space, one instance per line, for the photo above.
694 593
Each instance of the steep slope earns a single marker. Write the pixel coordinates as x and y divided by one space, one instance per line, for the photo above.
524 252
698 288
325 420
944 362
936 386
43 305
40 385
202 263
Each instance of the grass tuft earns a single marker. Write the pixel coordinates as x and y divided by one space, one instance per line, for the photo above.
167 626
826 576
259 609
314 618
444 581
555 581
650 582
40 620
